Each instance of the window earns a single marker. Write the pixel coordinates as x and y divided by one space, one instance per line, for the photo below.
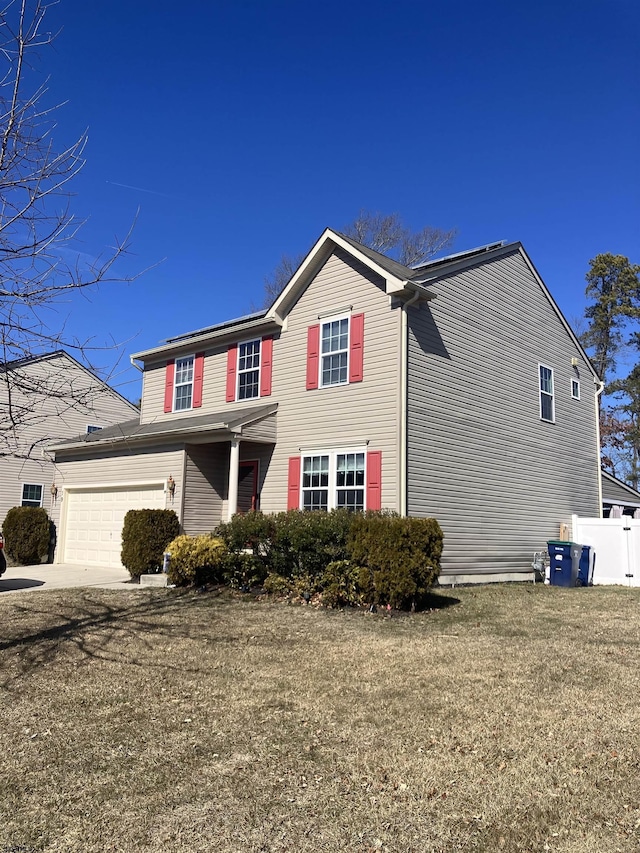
575 389
93 428
546 394
331 480
31 495
183 383
335 352
249 370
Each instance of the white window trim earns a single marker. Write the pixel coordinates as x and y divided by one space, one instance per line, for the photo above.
332 488
22 498
325 321
552 420
240 343
577 385
182 384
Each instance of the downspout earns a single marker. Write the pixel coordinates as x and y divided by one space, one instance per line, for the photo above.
404 371
596 398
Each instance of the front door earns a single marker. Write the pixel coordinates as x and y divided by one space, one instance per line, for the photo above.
248 487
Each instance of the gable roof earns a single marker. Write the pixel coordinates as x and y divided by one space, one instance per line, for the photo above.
28 361
612 488
399 280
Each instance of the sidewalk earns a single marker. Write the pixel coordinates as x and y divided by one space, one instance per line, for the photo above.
61 576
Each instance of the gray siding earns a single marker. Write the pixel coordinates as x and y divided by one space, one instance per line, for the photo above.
480 460
207 467
618 493
72 400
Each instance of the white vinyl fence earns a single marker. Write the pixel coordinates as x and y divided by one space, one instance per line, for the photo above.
616 542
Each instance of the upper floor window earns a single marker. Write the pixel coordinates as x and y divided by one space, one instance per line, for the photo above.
335 350
547 408
31 495
183 383
575 389
249 370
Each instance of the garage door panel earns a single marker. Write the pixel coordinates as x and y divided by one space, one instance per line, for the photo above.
94 536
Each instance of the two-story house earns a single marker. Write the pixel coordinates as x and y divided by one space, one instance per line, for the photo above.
455 390
44 399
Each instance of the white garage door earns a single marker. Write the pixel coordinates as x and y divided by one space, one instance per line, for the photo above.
94 520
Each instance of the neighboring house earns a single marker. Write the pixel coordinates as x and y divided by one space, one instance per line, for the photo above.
615 493
45 399
455 390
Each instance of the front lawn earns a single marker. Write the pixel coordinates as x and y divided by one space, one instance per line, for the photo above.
164 720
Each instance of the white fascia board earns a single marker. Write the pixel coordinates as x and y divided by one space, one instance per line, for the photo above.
328 237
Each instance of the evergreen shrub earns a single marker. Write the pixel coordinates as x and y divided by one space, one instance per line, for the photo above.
196 559
402 555
27 532
145 536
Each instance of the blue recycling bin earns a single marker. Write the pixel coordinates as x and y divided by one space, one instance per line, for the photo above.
564 562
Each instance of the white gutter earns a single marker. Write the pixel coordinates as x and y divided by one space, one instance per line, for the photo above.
404 367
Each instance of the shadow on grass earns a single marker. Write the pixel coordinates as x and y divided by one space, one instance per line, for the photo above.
101 629
438 601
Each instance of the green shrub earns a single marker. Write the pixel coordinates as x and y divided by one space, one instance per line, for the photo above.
243 570
27 532
277 585
196 559
292 544
306 542
145 536
401 554
341 584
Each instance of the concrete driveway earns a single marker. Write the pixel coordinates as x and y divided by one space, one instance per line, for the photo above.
23 578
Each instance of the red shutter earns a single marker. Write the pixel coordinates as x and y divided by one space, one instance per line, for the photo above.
356 347
266 355
198 375
293 492
313 356
232 369
374 480
168 386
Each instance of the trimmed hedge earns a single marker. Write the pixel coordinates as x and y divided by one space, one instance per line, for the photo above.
373 557
196 559
27 532
145 536
293 544
402 556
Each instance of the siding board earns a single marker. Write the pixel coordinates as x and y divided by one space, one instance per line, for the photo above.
499 480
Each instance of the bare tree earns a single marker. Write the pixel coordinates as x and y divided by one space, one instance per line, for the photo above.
386 234
39 266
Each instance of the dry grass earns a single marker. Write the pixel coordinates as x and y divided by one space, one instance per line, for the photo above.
159 720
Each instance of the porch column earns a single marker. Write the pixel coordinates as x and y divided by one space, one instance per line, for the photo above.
234 470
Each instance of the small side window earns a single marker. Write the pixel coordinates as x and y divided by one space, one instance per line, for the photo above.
31 495
93 428
547 408
575 389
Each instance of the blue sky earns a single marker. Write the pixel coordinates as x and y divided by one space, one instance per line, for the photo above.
242 128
